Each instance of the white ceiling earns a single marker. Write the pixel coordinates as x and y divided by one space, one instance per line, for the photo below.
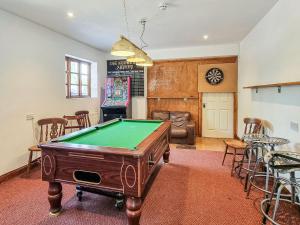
99 23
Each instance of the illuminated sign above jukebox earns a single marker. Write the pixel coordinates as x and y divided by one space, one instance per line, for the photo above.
122 68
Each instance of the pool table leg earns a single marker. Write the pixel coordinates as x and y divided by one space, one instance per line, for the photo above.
133 210
166 155
54 197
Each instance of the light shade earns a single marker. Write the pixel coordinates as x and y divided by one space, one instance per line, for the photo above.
148 62
139 57
123 48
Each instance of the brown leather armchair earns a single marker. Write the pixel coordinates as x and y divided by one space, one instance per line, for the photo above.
182 129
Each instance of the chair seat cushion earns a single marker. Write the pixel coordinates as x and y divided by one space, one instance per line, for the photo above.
34 148
178 132
233 143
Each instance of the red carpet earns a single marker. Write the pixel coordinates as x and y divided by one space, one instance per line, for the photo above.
192 189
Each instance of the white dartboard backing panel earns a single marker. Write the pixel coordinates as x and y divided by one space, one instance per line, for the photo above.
217 115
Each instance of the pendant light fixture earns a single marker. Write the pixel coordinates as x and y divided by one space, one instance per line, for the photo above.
123 47
139 56
148 62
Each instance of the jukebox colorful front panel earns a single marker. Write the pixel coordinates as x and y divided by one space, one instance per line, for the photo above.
117 98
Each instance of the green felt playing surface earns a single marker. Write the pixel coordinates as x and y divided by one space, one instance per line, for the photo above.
121 134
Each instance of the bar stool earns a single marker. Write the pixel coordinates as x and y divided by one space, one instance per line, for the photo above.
284 163
254 149
266 144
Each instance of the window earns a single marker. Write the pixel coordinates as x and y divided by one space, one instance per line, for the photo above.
78 78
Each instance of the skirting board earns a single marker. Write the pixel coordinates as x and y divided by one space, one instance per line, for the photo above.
17 171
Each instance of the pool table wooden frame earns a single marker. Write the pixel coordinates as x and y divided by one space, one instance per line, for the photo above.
121 170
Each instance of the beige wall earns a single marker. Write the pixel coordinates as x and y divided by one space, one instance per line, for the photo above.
32 81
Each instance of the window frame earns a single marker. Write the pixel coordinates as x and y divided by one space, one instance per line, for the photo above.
68 72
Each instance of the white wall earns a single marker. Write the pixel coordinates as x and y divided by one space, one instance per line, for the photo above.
32 80
195 52
269 54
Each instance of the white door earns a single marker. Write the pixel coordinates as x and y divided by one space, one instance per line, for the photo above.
217 115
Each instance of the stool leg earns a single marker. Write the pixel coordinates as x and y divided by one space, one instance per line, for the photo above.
293 189
270 201
251 179
267 179
233 161
226 149
277 201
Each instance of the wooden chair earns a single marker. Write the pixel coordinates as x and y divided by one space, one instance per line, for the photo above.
49 128
86 118
252 126
74 122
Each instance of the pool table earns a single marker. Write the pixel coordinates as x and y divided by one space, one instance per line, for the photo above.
116 157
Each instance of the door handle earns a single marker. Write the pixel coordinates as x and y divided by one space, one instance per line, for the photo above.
203 105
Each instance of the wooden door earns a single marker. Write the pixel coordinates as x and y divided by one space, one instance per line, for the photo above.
217 115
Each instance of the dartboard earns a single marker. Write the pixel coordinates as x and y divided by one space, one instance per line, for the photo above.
214 76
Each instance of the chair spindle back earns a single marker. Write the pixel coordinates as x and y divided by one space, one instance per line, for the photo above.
86 118
51 128
74 122
252 125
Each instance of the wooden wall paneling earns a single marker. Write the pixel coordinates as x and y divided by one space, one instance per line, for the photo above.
190 105
172 80
229 84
